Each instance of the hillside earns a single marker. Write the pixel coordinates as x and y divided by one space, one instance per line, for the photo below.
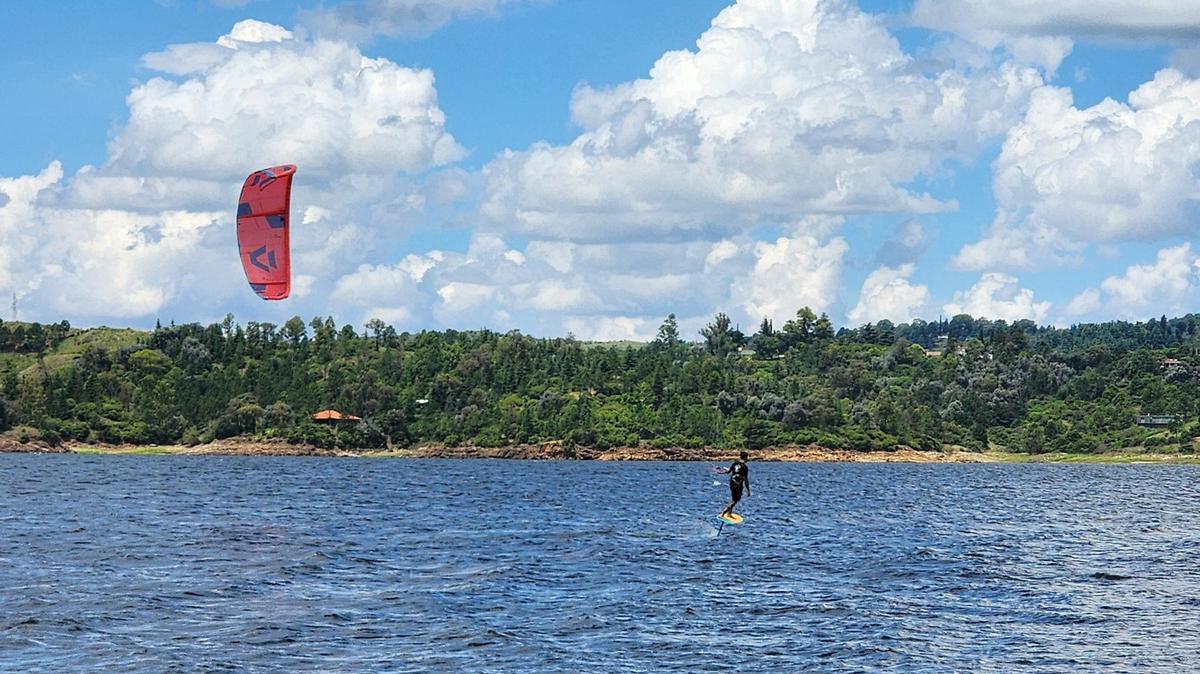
964 383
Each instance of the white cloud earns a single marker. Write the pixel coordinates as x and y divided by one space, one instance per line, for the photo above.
389 293
376 284
1082 18
720 252
417 265
18 240
612 328
557 254
493 280
557 296
887 293
783 109
253 32
1084 303
1168 286
1043 33
86 262
789 274
273 99
1068 178
1025 245
302 285
466 304
998 296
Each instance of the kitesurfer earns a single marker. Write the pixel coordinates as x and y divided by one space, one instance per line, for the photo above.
739 477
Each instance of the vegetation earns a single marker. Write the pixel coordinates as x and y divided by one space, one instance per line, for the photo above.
966 383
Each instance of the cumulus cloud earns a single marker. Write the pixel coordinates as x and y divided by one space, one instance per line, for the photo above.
1068 178
151 228
782 110
998 296
358 21
557 295
888 293
790 273
721 252
1167 286
548 287
387 292
1043 33
461 301
1081 18
260 97
907 244
1084 303
612 328
19 240
80 262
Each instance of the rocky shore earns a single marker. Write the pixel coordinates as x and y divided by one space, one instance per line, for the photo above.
542 451
555 451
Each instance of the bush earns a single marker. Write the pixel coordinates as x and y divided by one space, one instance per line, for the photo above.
190 437
310 433
807 436
673 440
489 437
135 432
51 436
27 434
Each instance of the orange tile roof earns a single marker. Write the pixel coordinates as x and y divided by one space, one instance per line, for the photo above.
334 415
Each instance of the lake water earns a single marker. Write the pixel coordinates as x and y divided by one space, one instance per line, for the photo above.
206 564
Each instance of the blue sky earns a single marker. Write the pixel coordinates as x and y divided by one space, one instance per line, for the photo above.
590 166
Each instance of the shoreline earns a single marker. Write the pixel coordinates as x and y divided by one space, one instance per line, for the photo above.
556 452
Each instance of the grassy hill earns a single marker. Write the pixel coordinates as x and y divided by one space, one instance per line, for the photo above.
77 342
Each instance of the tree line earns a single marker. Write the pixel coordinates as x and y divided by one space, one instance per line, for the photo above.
960 382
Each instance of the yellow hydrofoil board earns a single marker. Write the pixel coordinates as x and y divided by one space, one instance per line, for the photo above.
731 518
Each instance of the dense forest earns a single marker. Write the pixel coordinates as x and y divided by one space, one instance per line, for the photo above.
962 383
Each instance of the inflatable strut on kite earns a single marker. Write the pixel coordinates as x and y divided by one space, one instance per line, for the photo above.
262 231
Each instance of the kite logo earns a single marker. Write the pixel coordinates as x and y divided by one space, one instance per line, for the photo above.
258 253
270 178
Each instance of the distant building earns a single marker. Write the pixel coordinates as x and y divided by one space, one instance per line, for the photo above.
1157 420
333 416
1173 362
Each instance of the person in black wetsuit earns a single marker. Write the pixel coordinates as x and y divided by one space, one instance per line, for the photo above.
739 477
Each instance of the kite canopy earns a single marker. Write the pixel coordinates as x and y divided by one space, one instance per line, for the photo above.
262 231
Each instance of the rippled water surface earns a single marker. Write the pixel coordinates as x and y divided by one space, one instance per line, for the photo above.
144 563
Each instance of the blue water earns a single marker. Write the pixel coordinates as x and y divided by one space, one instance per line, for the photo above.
204 564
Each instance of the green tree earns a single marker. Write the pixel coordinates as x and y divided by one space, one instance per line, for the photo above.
719 337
